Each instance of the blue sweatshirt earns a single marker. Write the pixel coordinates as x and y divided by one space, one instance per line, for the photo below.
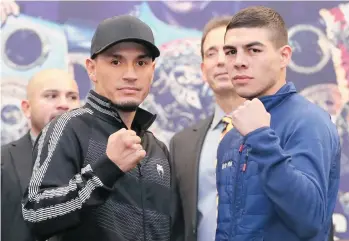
280 183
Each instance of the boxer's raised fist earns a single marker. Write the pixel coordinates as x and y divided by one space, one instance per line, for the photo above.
250 116
124 149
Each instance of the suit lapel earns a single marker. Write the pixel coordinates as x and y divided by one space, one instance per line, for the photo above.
199 134
21 153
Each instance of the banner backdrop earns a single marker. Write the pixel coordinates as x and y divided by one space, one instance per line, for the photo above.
57 34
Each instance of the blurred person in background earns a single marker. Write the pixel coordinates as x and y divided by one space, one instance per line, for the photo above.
193 150
50 93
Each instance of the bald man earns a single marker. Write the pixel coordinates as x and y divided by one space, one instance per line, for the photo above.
49 94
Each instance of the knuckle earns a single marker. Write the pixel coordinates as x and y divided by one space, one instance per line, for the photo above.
131 132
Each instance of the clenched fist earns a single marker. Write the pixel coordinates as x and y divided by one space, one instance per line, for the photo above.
250 116
124 149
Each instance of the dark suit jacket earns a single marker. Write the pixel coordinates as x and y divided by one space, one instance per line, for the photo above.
16 169
185 150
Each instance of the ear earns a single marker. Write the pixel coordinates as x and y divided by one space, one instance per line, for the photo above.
153 68
285 55
91 69
203 72
25 106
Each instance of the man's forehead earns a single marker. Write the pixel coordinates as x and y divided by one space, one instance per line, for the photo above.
57 84
244 36
214 38
51 79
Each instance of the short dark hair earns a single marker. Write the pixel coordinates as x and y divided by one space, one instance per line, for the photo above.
261 17
214 23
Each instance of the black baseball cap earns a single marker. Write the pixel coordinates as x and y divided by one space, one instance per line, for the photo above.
124 28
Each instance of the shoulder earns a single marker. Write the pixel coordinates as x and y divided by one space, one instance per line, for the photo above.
7 147
5 153
70 119
307 113
155 142
187 132
310 121
73 116
65 126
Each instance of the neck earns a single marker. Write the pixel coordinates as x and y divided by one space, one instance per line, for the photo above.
277 86
34 133
127 118
272 91
228 103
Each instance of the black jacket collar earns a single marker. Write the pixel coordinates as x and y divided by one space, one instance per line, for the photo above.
104 108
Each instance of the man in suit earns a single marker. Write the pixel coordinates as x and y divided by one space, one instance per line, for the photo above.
49 94
193 150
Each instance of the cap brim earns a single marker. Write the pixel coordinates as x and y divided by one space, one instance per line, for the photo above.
153 50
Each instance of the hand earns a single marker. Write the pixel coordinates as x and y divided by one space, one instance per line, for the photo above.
124 149
250 116
8 7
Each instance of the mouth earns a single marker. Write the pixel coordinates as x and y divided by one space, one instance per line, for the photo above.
223 74
241 79
129 90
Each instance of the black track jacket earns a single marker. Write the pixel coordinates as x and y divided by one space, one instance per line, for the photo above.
77 193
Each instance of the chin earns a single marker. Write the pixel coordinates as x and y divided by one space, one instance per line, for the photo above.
224 89
127 105
245 93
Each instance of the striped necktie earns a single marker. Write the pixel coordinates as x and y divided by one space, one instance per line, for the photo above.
227 127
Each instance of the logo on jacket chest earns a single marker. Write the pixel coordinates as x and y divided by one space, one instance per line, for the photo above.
160 170
227 164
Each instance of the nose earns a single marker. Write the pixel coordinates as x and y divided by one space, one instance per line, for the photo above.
221 58
130 74
63 103
240 60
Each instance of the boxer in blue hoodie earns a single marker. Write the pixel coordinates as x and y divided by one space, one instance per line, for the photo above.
278 168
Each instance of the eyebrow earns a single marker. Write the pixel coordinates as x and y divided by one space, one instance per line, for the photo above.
57 91
256 43
249 45
210 48
228 47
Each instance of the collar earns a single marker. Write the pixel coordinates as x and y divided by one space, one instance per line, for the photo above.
218 116
32 137
270 101
105 109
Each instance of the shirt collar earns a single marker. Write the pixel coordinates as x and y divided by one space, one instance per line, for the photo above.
218 116
32 137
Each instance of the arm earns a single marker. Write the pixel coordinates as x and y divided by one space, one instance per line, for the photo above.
177 232
296 177
60 187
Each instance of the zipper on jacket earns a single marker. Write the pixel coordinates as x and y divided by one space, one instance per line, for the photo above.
143 214
244 167
237 171
139 165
